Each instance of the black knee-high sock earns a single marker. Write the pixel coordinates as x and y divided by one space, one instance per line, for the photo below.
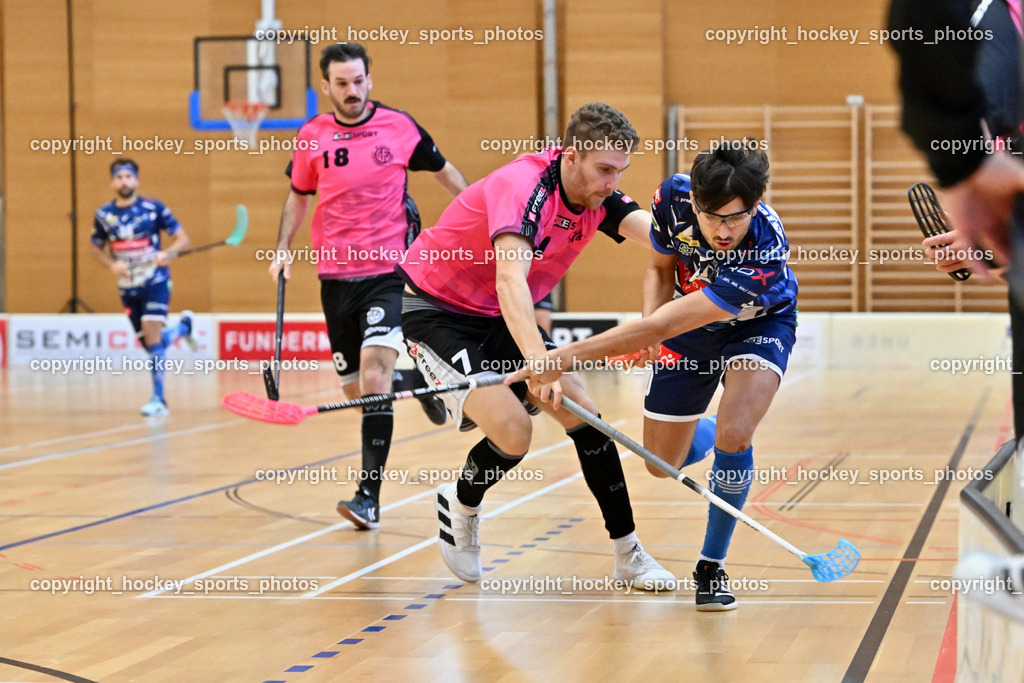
378 423
602 471
485 465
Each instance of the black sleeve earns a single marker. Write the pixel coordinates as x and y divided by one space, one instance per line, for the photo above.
617 206
998 70
941 99
426 157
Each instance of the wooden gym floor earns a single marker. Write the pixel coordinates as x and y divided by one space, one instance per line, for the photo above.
100 510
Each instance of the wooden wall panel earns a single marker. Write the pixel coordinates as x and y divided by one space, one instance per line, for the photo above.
134 69
615 56
133 76
37 196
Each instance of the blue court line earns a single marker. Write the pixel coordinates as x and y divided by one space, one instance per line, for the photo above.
157 506
329 654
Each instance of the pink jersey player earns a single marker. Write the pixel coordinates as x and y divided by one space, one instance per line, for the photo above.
472 282
453 263
359 170
356 157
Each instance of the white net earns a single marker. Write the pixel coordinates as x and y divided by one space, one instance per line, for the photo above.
245 119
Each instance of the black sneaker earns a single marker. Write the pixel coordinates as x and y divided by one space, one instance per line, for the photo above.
713 594
363 510
434 408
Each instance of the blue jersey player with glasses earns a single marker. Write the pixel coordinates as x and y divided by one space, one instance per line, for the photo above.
719 296
126 238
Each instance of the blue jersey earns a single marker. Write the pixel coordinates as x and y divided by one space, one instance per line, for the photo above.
133 233
749 281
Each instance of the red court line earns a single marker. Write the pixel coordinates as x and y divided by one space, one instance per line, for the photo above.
945 665
771 514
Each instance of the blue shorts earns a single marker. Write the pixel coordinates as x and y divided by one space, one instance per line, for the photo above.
146 303
680 391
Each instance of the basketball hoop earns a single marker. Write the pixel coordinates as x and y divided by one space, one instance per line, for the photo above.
245 119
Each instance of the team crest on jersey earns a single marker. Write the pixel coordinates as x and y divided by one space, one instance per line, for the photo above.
374 315
382 155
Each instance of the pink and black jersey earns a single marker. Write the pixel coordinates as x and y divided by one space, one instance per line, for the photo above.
359 170
452 264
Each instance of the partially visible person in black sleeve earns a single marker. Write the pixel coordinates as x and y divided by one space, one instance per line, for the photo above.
943 100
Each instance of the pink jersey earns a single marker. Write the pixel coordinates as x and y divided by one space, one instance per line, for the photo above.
359 170
452 264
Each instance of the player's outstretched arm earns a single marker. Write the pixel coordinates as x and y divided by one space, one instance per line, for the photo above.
672 319
659 281
512 259
636 227
292 215
451 179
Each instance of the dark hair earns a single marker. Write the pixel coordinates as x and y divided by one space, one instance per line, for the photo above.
342 52
124 161
598 126
731 169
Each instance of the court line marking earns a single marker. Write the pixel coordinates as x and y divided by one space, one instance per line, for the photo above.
119 444
73 437
644 599
391 558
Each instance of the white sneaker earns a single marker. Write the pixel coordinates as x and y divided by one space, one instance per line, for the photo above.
187 318
643 571
459 536
155 407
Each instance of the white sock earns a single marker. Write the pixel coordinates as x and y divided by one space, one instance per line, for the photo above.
720 563
624 545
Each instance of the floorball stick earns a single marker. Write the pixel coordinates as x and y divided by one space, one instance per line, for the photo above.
236 236
272 375
930 218
278 412
829 566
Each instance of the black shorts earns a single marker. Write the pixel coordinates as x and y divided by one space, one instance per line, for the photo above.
449 346
363 312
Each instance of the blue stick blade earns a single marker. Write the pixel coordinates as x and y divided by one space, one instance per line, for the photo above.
835 564
241 225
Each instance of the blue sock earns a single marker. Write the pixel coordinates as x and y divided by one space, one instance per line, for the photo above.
703 441
731 476
158 355
171 334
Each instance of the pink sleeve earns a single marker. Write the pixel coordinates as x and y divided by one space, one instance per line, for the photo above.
305 164
509 192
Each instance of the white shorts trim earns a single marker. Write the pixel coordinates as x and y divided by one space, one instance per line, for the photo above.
391 340
437 372
672 418
753 356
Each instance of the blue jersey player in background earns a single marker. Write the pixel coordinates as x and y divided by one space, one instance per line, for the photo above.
720 297
126 238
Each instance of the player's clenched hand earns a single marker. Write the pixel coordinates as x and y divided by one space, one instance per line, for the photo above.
120 269
546 391
939 250
541 374
277 267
